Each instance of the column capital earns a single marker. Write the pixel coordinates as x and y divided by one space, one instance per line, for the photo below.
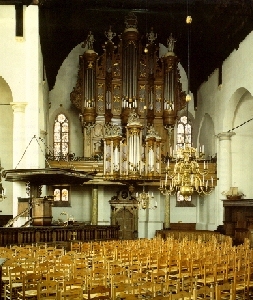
18 106
225 135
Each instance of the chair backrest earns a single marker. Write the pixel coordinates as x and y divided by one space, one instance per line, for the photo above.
73 283
16 275
48 289
226 289
99 292
121 289
30 284
204 292
72 294
182 295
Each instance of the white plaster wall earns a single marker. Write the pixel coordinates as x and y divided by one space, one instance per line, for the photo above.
80 207
228 106
242 155
59 99
21 69
6 138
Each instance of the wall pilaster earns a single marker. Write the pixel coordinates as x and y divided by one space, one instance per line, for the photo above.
224 169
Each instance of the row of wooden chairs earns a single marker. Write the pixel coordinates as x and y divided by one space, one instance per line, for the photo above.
159 267
35 288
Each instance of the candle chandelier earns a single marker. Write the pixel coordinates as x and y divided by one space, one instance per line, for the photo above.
146 200
187 173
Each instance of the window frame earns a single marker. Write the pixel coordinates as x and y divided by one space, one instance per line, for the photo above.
61 153
61 203
181 123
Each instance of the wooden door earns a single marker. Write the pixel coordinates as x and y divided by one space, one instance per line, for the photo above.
125 219
124 212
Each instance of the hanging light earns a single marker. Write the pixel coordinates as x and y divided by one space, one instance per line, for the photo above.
145 200
188 98
190 174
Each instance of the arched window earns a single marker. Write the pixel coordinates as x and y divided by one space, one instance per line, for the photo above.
184 132
61 136
61 196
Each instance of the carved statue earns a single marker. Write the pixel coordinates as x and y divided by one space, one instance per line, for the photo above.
171 43
133 117
89 41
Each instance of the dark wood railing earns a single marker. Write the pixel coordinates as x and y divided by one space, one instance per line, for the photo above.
53 234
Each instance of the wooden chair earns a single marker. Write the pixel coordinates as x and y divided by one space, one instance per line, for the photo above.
99 292
75 246
29 288
225 291
204 292
73 283
15 283
157 275
171 285
99 276
240 282
120 290
29 264
182 295
58 276
9 264
72 294
208 274
146 289
48 290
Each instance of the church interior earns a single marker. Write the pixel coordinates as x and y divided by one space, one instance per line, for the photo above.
126 134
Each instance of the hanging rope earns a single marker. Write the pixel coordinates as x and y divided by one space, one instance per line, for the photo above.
240 125
34 137
25 151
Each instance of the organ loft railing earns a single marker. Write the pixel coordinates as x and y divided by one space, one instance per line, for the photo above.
128 100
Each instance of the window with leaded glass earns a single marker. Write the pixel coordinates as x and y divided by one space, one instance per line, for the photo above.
61 136
61 196
184 133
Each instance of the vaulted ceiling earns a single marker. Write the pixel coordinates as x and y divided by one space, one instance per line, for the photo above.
217 28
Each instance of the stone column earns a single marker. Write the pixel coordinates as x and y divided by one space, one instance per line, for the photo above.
224 170
94 205
19 146
167 211
19 140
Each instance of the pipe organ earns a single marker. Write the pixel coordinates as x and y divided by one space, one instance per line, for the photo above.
127 99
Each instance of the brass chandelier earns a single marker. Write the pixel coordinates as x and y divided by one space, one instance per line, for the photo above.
190 173
146 200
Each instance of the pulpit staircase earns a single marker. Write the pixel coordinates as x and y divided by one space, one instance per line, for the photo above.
12 221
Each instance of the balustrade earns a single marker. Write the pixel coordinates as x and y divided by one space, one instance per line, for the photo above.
52 234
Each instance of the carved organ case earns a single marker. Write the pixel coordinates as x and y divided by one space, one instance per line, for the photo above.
127 99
